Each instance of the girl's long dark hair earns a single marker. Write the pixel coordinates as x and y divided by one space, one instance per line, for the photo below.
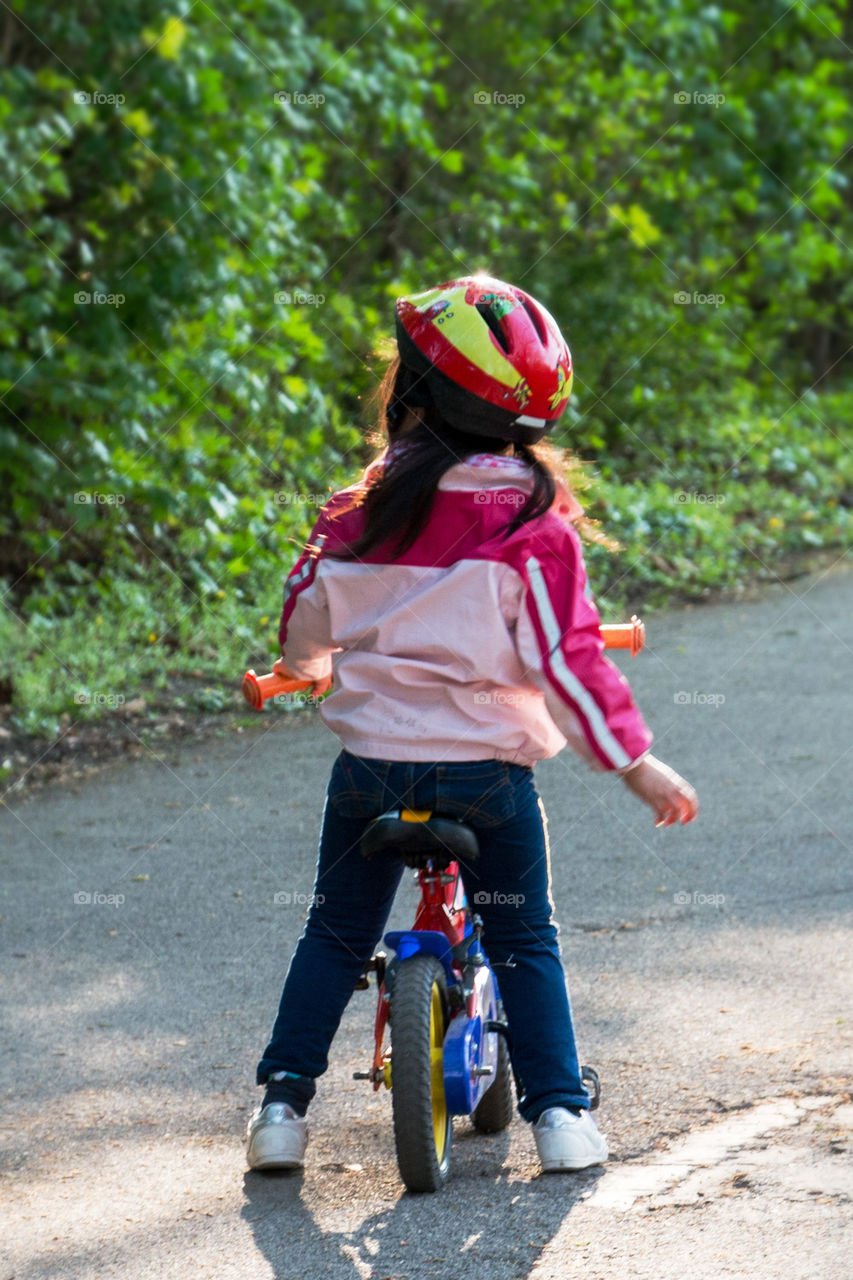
399 496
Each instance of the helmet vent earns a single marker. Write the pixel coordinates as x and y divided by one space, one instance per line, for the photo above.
538 323
494 324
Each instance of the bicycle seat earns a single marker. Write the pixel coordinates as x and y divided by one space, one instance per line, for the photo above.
419 836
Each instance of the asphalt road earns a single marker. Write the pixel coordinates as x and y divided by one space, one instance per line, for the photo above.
709 970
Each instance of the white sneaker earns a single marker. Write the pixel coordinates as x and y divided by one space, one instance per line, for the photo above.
276 1138
567 1141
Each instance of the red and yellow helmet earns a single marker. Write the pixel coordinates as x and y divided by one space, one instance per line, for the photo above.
493 359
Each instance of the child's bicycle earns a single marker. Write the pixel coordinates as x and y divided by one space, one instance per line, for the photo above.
441 1043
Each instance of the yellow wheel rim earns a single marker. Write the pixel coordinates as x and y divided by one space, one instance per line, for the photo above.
436 1062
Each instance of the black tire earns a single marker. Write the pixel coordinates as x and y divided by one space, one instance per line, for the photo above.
494 1110
422 1123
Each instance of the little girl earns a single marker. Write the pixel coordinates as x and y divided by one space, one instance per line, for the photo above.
447 593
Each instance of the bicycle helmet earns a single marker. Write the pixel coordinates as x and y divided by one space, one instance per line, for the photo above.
489 356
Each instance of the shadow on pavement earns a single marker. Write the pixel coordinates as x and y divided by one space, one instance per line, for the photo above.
443 1235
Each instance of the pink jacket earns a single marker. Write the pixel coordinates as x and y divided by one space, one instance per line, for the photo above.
471 645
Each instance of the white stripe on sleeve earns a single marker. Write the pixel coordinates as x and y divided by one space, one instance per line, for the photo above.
292 582
575 690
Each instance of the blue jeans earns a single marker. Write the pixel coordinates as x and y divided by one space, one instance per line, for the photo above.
508 885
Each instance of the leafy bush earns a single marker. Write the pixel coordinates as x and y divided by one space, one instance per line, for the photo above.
206 224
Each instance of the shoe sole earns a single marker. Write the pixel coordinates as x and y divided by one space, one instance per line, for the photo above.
573 1163
258 1158
573 1166
274 1162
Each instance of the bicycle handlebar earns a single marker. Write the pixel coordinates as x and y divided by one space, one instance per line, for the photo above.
625 635
257 689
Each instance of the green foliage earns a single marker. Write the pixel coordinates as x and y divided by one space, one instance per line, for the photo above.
242 195
147 636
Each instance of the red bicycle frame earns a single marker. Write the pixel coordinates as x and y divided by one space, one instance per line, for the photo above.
441 908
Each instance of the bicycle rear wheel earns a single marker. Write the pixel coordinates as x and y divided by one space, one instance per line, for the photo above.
494 1110
422 1123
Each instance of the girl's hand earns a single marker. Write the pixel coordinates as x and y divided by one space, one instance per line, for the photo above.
670 796
319 687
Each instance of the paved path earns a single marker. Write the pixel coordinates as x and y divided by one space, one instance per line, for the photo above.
709 970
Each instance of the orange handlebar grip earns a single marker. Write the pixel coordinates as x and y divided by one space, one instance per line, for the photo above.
625 635
256 689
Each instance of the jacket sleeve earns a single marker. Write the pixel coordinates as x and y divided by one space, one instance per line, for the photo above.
305 630
559 641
